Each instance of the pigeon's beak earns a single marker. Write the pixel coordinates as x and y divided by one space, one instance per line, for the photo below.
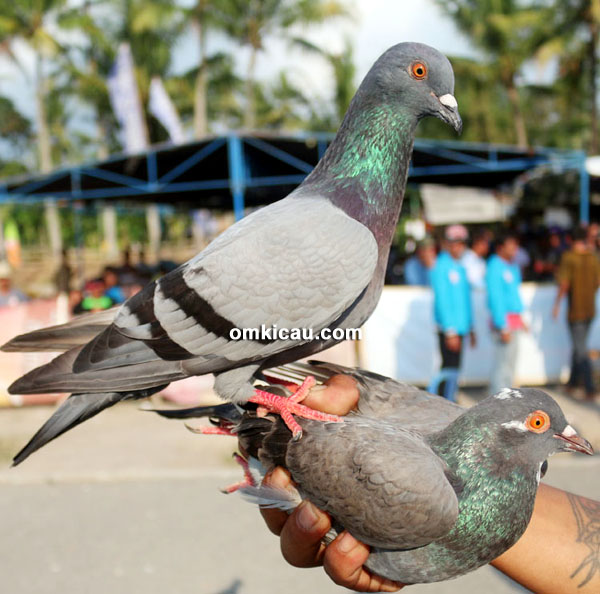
448 112
573 442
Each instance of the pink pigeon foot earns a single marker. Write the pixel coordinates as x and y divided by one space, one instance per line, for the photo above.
248 478
287 407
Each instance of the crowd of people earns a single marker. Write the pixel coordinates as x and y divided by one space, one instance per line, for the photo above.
453 267
112 287
460 266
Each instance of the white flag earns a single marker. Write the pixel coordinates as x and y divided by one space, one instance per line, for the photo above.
125 101
162 108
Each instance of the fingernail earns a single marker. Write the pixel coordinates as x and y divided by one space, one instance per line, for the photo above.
347 543
307 518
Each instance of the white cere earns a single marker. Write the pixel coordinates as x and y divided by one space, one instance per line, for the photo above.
518 425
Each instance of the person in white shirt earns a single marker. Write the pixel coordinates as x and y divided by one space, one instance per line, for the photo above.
474 260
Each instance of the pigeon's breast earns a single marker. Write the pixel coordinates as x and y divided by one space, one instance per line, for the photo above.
492 517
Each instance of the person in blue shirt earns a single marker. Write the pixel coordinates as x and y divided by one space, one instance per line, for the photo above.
113 289
503 279
452 299
417 269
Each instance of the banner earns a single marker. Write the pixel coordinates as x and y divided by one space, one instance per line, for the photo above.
400 338
448 204
125 101
162 108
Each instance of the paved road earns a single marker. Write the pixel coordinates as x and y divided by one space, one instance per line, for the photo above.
176 535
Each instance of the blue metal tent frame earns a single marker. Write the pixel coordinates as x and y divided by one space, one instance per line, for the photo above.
238 170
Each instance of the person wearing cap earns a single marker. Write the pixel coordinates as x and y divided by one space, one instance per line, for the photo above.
452 299
417 269
578 277
503 279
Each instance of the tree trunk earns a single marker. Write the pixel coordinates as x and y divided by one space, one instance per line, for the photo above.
43 133
154 230
109 228
250 111
520 129
53 225
593 45
201 86
103 150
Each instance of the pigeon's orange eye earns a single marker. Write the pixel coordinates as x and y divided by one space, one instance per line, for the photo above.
538 421
418 70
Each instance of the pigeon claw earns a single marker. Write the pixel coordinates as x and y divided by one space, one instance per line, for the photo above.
210 430
248 480
286 408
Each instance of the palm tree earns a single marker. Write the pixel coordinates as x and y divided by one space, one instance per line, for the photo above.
221 87
251 21
201 18
510 33
27 21
88 71
151 27
576 27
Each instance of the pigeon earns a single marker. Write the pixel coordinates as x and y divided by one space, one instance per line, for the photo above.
436 490
313 261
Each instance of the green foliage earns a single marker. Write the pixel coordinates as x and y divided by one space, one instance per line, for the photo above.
14 127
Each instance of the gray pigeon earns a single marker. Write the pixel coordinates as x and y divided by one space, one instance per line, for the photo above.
436 490
314 260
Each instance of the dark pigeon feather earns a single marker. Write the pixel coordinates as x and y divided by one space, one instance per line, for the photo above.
434 502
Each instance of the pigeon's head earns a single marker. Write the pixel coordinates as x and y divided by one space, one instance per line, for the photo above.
419 78
531 422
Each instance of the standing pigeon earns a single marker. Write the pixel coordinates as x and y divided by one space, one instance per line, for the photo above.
436 490
314 260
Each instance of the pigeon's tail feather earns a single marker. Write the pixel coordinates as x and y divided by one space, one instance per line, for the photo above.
227 412
63 337
73 411
58 376
272 497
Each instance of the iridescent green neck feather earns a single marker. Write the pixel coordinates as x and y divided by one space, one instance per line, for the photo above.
364 170
491 486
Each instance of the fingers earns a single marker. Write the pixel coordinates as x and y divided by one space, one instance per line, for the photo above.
276 518
343 561
302 534
338 398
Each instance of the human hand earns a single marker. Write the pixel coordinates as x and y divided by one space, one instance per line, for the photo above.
555 311
301 535
453 342
302 531
505 336
473 339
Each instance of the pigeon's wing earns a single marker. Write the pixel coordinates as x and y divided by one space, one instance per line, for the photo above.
63 337
298 263
381 396
382 483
